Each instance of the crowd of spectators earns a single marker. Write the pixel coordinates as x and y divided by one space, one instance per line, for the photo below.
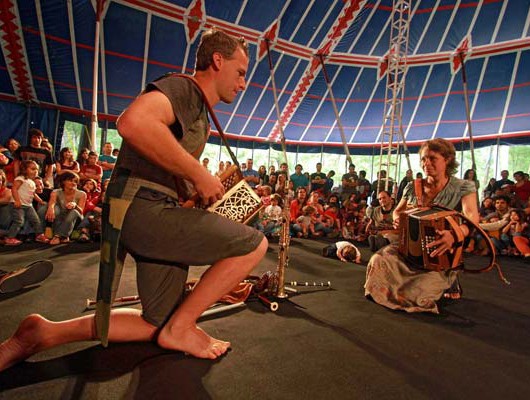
50 200
59 200
359 211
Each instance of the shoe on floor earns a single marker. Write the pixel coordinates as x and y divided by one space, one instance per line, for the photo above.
12 242
30 275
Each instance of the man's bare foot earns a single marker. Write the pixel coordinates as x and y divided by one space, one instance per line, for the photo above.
26 341
192 340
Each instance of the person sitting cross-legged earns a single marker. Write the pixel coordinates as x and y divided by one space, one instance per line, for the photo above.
65 208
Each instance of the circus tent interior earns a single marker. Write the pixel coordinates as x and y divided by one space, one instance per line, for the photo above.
317 72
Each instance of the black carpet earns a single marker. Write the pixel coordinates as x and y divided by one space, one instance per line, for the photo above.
320 344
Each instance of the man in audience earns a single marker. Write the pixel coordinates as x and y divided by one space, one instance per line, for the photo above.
503 181
107 160
251 175
34 152
318 179
328 186
91 170
299 179
380 228
364 188
349 183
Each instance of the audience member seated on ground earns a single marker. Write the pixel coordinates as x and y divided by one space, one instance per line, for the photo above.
91 170
344 251
273 180
35 152
380 228
5 205
332 215
265 192
350 214
295 210
281 189
90 211
515 227
263 177
489 190
333 200
270 221
107 161
493 224
44 191
65 162
12 145
487 207
65 208
307 222
23 193
390 280
322 224
521 188
5 157
82 157
521 240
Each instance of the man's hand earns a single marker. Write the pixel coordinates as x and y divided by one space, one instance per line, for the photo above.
209 188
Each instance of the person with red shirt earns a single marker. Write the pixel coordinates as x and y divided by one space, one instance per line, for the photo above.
91 170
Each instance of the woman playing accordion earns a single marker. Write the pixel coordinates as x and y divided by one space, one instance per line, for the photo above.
396 284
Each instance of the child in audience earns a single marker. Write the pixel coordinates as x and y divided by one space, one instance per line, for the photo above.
271 221
515 227
307 222
24 192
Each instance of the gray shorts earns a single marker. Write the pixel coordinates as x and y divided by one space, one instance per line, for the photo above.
165 239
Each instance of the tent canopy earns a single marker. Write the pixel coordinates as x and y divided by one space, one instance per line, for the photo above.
48 55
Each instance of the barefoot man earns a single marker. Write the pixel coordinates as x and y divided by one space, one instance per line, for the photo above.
164 131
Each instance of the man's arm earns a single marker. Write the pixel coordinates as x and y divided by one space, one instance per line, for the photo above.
145 126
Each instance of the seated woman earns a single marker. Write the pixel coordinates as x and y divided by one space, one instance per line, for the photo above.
65 208
91 210
389 280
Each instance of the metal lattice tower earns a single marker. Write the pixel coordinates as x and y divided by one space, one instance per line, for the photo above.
392 138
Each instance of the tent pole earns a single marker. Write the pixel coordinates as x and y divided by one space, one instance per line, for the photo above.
57 117
94 116
468 112
336 110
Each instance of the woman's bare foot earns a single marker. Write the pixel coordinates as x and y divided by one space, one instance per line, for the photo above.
192 340
26 341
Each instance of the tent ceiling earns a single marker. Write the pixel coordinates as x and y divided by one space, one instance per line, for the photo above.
48 55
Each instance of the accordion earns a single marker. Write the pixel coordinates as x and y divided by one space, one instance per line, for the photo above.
418 228
240 202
